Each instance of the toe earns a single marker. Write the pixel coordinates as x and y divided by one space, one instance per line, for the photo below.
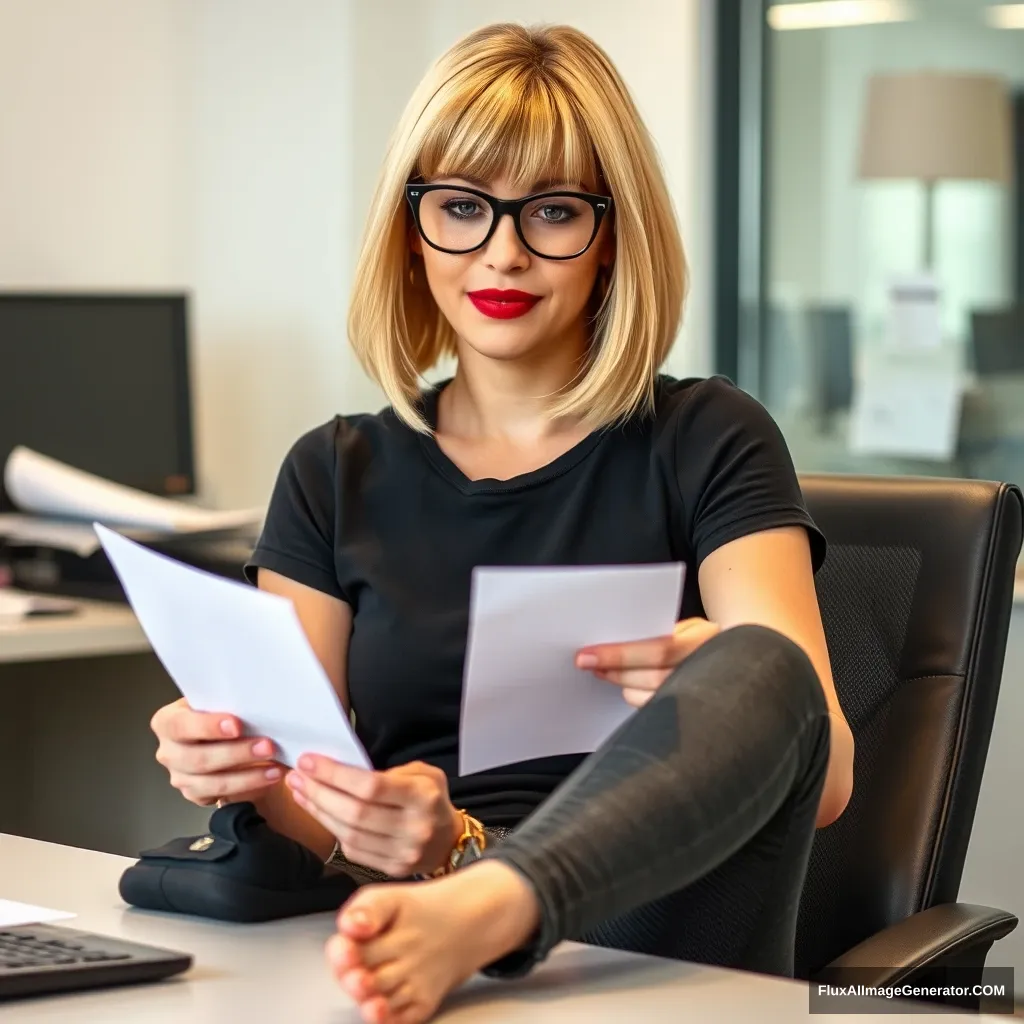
360 984
369 912
342 954
376 1011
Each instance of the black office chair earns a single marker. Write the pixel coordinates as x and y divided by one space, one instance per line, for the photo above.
916 594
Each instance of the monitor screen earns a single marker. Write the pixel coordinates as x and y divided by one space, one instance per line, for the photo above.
100 382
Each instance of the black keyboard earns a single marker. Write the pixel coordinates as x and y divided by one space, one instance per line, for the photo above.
38 960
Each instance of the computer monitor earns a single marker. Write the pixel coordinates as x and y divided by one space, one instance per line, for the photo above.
101 382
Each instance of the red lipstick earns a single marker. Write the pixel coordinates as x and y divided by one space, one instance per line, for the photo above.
500 304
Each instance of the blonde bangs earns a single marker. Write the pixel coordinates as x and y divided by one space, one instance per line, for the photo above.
514 126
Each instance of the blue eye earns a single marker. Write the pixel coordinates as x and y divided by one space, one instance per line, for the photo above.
461 209
554 213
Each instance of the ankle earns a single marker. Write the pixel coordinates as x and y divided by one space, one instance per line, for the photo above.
507 904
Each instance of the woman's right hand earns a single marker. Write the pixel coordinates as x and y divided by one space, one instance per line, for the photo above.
208 760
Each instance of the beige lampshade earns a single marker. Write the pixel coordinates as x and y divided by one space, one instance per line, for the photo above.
937 125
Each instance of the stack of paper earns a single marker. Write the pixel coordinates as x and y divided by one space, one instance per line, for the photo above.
62 502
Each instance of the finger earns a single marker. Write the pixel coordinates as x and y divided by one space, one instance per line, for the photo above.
657 652
346 809
636 678
187 726
205 758
359 782
378 852
224 785
637 698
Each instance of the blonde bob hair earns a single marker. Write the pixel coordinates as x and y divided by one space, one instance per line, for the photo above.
525 104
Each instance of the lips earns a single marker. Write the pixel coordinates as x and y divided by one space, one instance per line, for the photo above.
501 304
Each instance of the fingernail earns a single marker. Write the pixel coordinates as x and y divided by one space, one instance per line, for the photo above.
586 660
273 774
228 727
306 763
263 749
295 781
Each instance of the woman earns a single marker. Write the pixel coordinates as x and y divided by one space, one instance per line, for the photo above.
522 225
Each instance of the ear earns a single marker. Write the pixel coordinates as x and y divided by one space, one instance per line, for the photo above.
415 242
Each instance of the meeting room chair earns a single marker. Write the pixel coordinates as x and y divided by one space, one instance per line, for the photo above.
916 594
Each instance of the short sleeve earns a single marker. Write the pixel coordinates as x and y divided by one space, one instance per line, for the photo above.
736 475
298 534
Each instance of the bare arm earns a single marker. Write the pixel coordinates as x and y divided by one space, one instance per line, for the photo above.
767 579
327 622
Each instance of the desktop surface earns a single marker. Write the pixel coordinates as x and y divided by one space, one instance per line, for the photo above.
276 971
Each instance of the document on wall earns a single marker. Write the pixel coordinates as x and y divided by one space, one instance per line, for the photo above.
232 648
44 486
907 404
523 696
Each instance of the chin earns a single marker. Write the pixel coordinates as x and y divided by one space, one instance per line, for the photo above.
503 344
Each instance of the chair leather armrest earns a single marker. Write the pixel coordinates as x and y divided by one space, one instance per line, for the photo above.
926 940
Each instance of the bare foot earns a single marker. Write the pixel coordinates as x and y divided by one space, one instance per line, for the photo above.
400 949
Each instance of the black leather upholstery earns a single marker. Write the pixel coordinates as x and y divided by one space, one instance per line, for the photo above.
916 595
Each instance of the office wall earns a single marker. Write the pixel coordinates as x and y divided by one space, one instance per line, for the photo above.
93 127
229 147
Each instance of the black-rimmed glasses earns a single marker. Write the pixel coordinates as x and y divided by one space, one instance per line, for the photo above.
553 225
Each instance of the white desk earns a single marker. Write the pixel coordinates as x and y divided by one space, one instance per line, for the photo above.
97 629
276 972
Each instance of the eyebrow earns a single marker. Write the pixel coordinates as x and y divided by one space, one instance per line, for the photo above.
547 185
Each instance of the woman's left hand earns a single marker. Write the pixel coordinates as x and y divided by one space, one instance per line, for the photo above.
400 821
641 666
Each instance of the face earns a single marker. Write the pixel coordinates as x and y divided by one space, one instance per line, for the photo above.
502 300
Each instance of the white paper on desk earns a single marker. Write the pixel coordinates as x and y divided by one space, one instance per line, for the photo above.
13 913
523 696
235 649
907 407
16 604
39 484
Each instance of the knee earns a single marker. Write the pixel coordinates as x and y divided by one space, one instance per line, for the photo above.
777 662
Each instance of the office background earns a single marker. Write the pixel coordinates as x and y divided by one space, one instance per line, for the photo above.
227 148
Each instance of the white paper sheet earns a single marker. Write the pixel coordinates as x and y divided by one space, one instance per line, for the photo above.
39 484
15 604
914 313
13 913
523 696
232 648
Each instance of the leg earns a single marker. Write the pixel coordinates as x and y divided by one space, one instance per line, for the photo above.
711 788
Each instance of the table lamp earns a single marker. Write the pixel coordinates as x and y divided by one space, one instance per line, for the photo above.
935 126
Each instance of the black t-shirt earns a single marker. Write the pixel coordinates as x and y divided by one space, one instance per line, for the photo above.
370 511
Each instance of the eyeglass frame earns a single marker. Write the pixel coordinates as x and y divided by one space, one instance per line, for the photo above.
601 205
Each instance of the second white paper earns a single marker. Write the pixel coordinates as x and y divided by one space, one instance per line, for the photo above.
523 696
234 649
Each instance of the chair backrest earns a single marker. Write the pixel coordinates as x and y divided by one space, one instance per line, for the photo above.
916 594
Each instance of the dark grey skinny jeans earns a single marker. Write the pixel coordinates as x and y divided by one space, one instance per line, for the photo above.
687 834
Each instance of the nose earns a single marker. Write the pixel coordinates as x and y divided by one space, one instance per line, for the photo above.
504 251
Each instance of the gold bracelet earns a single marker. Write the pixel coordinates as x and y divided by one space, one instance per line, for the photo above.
472 831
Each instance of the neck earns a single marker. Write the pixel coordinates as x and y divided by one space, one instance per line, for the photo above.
508 399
